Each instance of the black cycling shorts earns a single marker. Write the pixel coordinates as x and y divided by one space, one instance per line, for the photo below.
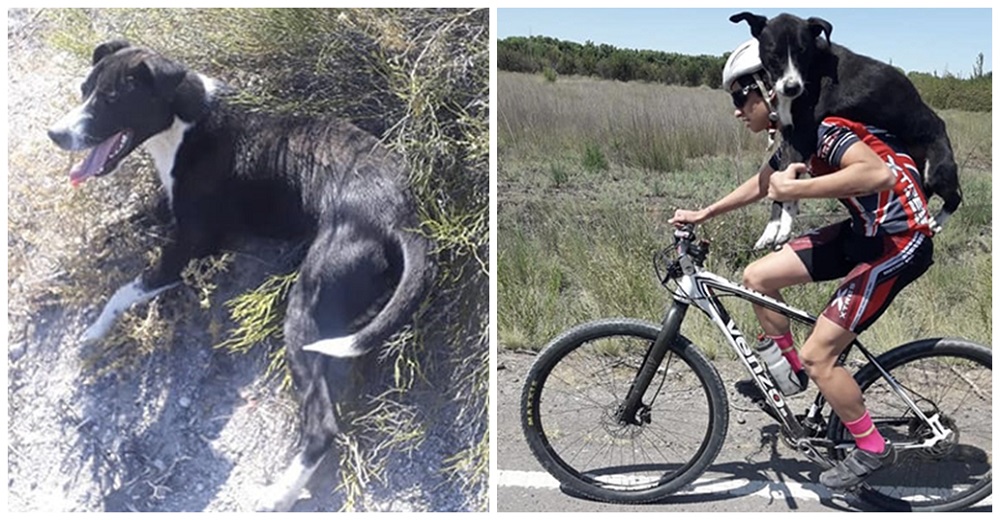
874 269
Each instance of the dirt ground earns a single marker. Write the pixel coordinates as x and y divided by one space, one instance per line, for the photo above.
188 428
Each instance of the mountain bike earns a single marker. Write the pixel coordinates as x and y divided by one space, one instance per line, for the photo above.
628 411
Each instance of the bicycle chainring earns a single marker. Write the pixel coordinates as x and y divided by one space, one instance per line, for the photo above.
920 430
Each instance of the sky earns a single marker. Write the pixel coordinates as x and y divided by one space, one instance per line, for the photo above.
923 40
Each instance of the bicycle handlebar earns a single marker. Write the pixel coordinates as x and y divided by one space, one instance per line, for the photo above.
687 255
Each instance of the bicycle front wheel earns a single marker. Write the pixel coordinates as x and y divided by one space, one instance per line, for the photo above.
570 413
950 381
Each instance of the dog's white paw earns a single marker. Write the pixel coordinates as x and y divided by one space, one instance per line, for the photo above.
768 237
783 235
95 332
937 223
789 210
281 496
288 488
275 498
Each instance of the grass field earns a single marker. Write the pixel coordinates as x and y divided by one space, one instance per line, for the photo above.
590 171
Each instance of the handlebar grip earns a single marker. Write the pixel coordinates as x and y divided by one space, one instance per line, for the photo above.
686 231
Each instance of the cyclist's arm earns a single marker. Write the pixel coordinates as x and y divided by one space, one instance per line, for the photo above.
754 189
861 172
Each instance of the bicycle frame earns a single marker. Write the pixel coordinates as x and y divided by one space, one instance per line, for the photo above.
699 288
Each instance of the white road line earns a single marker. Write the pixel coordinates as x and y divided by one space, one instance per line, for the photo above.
736 487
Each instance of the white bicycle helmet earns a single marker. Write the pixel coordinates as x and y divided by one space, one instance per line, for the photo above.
744 61
744 65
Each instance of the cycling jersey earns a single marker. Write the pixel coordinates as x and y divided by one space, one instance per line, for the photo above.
884 246
898 210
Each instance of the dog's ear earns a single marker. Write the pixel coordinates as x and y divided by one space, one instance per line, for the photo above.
820 26
170 81
163 74
107 48
755 21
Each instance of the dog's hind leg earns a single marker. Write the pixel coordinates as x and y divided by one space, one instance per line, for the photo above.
322 303
314 377
942 179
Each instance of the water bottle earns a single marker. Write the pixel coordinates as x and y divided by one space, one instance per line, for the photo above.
789 382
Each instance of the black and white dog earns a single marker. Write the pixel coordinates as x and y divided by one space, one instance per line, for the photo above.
229 171
815 78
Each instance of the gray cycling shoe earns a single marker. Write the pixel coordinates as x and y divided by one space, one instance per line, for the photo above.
856 467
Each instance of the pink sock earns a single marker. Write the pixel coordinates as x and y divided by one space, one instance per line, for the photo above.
784 343
866 436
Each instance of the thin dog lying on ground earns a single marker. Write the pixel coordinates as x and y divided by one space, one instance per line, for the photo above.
229 171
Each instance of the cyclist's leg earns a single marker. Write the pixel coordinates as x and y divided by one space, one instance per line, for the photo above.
814 256
861 299
819 356
768 276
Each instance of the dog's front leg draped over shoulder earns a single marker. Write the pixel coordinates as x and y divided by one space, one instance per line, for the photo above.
767 238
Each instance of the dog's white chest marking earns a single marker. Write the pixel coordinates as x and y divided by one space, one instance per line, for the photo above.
164 145
163 148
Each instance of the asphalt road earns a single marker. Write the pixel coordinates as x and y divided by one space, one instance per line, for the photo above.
754 472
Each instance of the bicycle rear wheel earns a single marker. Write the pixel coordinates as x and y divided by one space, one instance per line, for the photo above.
949 378
570 405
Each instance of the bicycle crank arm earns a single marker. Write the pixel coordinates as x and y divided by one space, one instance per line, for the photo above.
807 448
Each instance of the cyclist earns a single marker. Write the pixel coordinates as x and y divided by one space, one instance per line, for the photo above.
882 247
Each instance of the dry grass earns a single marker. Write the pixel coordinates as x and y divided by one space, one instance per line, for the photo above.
634 124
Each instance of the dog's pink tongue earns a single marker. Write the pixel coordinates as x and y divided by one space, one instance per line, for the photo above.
93 163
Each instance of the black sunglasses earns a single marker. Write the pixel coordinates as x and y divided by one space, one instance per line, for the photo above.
740 96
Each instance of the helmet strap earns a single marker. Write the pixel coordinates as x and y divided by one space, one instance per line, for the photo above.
772 112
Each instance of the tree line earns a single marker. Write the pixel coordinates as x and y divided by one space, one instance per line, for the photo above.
553 57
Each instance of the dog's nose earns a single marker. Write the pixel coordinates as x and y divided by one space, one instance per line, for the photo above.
792 88
61 137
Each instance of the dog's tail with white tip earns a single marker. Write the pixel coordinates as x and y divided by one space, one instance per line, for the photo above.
418 275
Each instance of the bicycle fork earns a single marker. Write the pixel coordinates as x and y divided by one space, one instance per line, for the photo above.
633 410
